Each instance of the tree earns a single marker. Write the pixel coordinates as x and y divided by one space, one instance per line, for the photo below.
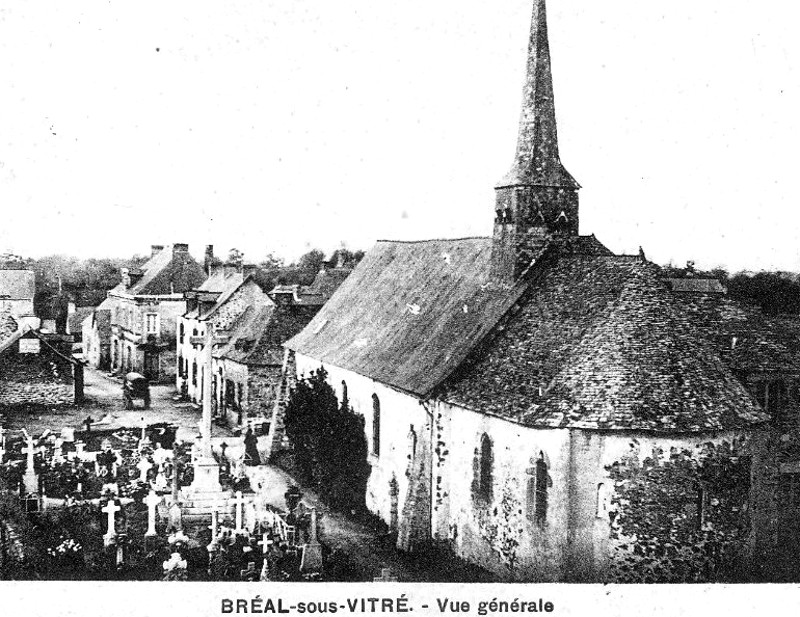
311 260
272 261
235 258
330 446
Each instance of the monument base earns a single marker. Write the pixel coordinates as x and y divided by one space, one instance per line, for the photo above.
206 476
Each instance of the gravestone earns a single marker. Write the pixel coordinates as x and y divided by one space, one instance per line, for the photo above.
385 577
143 466
175 517
312 550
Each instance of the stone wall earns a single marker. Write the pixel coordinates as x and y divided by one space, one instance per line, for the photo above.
35 379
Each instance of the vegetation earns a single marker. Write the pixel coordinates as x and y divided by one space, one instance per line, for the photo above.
330 445
775 292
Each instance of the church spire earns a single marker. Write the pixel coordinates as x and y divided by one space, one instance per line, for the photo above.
537 201
537 162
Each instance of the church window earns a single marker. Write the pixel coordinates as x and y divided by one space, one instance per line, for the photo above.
484 472
194 373
412 438
376 425
537 491
345 399
180 333
601 510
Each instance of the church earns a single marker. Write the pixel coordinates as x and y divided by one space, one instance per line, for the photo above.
555 412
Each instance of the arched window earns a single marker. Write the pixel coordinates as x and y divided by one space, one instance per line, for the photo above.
484 480
376 425
194 372
412 443
345 400
180 333
536 489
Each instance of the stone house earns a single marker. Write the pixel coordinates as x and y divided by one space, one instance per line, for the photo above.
38 369
17 289
204 304
553 411
146 307
96 335
248 368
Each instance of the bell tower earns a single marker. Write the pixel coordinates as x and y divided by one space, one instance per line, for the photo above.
538 198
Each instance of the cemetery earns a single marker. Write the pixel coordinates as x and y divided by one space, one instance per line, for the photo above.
107 502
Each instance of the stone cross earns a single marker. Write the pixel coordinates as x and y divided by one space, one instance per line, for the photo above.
152 500
239 505
312 550
30 448
208 343
385 577
30 481
111 509
143 466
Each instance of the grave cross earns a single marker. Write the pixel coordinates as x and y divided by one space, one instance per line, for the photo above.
239 505
111 508
385 577
152 500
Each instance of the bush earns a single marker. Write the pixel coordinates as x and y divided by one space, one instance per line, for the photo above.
330 446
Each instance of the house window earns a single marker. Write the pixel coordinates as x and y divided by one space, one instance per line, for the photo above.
151 323
376 425
483 473
537 491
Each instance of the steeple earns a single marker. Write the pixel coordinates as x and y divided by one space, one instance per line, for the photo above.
537 198
536 162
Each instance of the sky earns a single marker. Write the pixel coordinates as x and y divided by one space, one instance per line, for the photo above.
281 126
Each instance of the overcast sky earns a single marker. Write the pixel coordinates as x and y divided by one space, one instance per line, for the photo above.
279 126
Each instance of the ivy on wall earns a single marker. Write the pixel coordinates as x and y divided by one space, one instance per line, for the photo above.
681 515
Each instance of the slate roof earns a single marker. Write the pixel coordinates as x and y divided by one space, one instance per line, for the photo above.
586 341
168 272
328 281
409 313
76 319
17 284
747 340
601 343
8 325
258 336
218 283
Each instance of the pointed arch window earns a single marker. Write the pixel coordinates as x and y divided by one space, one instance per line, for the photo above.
483 481
537 487
376 425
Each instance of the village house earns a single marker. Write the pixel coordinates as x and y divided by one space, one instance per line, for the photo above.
17 289
146 306
36 369
249 365
96 335
553 411
221 299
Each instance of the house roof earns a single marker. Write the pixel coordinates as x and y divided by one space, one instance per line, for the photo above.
76 318
8 325
168 272
327 281
223 285
257 338
17 284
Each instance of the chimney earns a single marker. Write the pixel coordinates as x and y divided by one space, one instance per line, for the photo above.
209 259
155 249
125 273
180 249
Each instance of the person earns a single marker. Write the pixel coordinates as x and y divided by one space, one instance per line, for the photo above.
251 456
